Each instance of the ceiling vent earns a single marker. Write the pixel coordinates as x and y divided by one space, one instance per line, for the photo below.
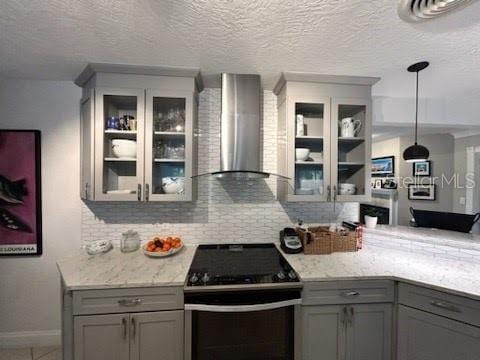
421 10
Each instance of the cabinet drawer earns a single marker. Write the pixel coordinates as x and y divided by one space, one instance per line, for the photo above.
348 292
111 301
440 303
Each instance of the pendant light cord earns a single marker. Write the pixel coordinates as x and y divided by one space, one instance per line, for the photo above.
416 112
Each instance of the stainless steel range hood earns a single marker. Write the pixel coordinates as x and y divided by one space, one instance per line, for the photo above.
240 128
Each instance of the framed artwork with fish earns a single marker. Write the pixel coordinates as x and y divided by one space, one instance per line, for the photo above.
20 193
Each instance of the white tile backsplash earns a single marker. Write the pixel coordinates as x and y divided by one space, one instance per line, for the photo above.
228 211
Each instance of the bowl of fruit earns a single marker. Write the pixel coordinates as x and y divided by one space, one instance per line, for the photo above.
161 247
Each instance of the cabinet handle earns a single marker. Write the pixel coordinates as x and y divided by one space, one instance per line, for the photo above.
124 327
86 190
132 302
134 328
344 315
329 192
334 193
350 293
350 319
147 192
445 306
139 192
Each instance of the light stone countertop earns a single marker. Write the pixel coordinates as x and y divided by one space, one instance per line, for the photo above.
429 263
427 235
122 270
373 262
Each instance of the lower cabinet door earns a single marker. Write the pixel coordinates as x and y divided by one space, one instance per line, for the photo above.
157 335
369 332
424 336
323 333
101 337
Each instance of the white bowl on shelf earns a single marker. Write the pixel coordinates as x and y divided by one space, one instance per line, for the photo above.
347 189
302 154
173 185
124 148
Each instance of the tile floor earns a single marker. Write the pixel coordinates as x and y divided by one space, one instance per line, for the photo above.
40 353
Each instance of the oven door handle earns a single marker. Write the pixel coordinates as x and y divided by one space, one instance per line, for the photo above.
242 308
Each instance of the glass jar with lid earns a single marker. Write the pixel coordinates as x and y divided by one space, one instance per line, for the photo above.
130 241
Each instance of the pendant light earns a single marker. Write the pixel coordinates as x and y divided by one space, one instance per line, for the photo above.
416 152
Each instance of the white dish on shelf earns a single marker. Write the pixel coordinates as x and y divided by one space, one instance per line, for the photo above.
302 154
161 254
119 192
124 148
173 185
347 189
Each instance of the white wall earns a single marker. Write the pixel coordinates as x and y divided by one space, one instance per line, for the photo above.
29 286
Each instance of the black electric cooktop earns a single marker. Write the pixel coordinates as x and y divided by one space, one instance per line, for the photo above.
237 264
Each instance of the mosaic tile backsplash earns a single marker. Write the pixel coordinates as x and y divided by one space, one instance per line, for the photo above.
225 211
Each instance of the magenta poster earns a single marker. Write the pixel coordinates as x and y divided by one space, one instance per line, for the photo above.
20 193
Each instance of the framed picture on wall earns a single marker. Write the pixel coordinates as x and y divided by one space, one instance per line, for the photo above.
421 192
383 166
20 193
422 168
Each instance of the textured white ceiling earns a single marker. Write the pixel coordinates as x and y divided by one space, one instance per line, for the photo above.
55 39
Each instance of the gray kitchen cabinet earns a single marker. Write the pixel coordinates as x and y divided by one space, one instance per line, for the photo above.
347 332
149 156
323 333
157 336
330 116
426 336
369 332
101 337
136 336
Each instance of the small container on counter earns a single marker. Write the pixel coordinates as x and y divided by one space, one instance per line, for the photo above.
130 241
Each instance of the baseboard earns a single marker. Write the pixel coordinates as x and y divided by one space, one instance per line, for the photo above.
30 339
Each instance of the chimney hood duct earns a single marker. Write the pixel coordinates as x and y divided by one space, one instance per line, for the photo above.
240 128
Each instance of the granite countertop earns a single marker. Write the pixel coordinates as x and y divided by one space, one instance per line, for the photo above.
437 259
121 270
428 235
374 262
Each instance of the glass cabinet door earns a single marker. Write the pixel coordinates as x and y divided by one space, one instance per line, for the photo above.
119 145
168 156
310 150
351 144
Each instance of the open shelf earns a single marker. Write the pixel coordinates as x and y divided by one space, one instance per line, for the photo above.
170 160
115 159
346 144
120 132
307 137
299 162
169 133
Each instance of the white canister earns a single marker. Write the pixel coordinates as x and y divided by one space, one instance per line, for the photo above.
300 125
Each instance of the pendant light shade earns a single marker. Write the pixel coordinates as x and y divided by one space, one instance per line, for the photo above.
416 152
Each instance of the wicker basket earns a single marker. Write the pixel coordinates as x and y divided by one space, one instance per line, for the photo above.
343 243
321 242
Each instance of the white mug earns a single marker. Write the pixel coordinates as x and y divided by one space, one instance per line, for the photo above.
350 127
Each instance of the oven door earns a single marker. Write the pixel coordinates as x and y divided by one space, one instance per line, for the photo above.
235 325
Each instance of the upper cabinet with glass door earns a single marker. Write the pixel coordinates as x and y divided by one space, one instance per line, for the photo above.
138 127
324 142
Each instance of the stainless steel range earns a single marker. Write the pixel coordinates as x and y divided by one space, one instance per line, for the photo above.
241 303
